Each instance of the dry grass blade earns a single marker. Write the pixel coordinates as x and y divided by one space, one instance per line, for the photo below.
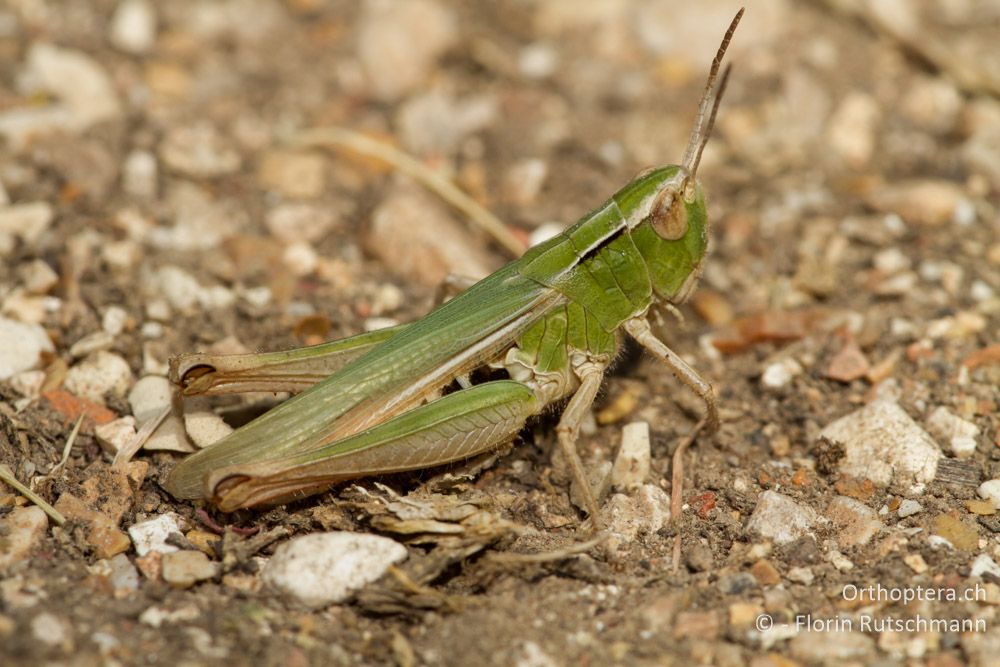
548 556
7 477
350 140
68 447
677 487
126 453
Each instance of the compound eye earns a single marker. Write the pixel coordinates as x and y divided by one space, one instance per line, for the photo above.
669 216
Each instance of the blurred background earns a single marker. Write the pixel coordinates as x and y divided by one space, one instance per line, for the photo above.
153 201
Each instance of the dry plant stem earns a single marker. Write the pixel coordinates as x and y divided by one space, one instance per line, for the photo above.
7 477
677 486
350 140
126 453
548 556
68 447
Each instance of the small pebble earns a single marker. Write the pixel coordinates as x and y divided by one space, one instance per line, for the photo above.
631 467
801 575
21 347
958 434
316 570
77 80
114 435
908 507
99 374
122 573
915 562
205 428
780 373
983 564
199 151
848 364
922 202
21 531
151 535
26 221
51 630
38 277
780 518
645 511
990 490
133 27
182 569
92 342
960 534
299 221
293 174
883 444
114 319
418 239
855 522
139 174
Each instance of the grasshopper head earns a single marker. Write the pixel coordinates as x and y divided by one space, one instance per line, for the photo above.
666 206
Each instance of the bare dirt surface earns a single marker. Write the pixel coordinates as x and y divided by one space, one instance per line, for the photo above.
152 203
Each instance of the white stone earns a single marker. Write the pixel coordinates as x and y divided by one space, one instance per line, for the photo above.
38 277
28 383
437 123
77 80
27 221
885 445
114 435
205 428
300 258
139 174
299 221
780 373
801 575
21 347
180 288
839 561
100 373
958 434
538 61
983 564
199 151
990 490
22 530
133 27
92 342
908 507
151 535
631 467
183 569
780 519
50 630
644 512
323 568
149 398
114 319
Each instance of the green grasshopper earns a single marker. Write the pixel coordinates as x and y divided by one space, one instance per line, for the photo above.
553 320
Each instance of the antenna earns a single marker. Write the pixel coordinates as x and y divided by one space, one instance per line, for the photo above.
706 118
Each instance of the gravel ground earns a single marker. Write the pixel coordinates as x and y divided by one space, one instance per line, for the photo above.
154 201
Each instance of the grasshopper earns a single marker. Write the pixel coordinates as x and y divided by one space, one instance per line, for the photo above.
552 320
